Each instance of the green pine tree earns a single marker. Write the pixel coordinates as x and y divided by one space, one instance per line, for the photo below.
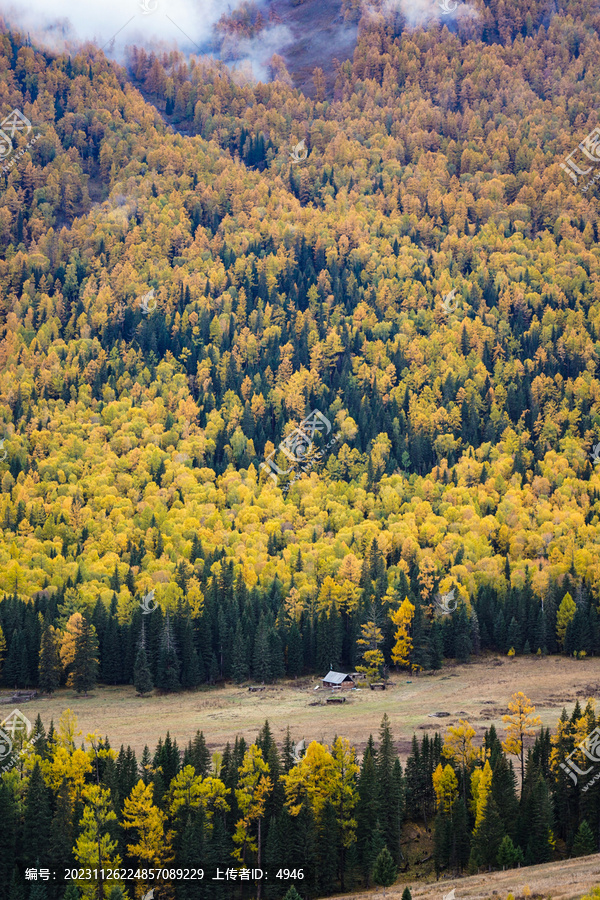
389 790
38 891
8 832
239 663
85 663
36 820
190 664
71 893
295 655
385 870
584 842
366 814
61 832
50 666
200 758
487 837
328 850
292 894
167 678
17 889
262 665
507 854
142 676
406 894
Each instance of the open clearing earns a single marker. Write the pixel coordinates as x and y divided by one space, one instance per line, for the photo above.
478 692
560 880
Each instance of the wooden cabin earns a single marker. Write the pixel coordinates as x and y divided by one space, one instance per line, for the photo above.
338 680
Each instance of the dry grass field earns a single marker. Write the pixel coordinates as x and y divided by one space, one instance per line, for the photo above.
478 691
566 880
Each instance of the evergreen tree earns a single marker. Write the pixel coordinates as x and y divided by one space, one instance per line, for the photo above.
239 665
487 837
72 893
50 666
8 832
198 755
384 871
584 842
295 652
17 889
327 849
116 893
539 824
142 676
514 638
507 854
167 678
461 840
38 891
85 663
367 809
262 665
292 894
190 663
111 662
189 851
37 820
61 831
504 792
389 791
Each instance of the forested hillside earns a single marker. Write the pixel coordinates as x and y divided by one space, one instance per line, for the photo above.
321 822
135 429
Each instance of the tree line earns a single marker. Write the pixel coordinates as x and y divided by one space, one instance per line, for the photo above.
341 820
236 634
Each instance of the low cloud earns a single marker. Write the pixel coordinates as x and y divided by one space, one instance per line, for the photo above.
115 24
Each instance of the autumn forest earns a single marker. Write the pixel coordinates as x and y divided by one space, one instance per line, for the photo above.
195 264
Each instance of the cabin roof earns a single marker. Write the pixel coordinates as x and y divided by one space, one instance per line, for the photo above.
336 677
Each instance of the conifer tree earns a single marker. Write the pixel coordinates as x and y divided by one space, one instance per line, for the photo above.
61 830
167 678
37 820
146 765
327 849
38 891
8 832
116 893
584 842
2 648
508 854
72 893
239 663
111 661
85 662
189 851
190 664
294 651
199 756
487 837
262 664
17 889
389 800
142 676
367 811
384 870
50 667
292 894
